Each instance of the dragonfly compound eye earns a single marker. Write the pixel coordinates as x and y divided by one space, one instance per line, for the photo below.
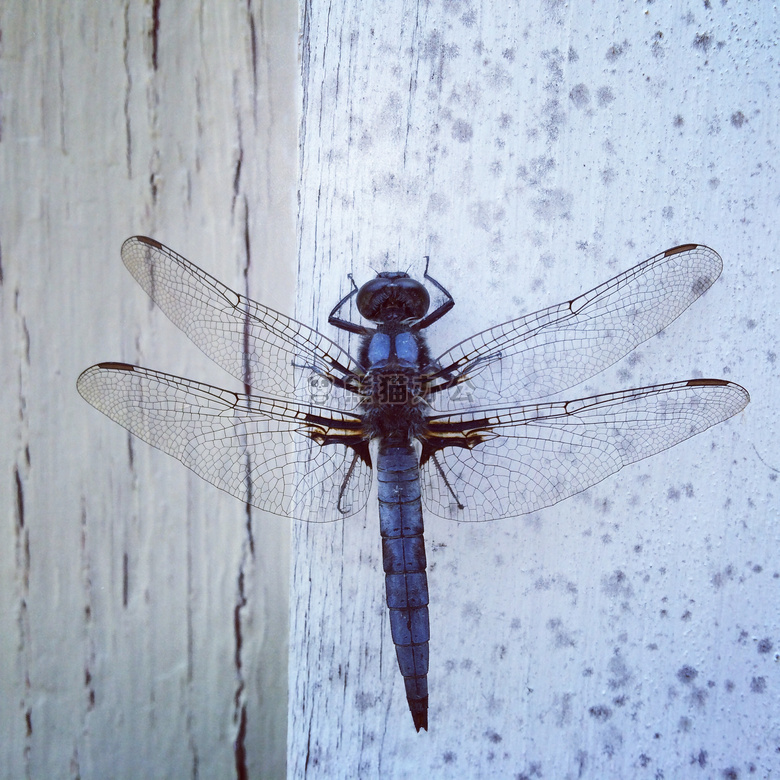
393 295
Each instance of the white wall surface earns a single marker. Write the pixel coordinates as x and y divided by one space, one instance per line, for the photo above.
140 636
535 150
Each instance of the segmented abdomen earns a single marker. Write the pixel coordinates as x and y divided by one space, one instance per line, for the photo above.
403 552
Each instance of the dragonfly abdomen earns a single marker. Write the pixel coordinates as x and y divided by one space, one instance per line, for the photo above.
403 552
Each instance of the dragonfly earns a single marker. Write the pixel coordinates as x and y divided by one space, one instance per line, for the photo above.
471 435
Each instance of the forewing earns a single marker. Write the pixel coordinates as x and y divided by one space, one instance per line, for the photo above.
540 454
270 352
544 353
257 449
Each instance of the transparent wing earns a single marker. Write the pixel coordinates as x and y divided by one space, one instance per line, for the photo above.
544 353
257 449
259 346
537 455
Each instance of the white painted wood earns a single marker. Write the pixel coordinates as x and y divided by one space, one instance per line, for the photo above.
126 583
535 150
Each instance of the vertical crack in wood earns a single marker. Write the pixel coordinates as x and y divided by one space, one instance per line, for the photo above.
253 44
247 373
125 579
305 68
128 92
87 587
239 701
19 500
154 33
239 144
242 772
22 619
2 102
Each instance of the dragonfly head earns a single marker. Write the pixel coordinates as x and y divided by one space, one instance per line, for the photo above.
393 295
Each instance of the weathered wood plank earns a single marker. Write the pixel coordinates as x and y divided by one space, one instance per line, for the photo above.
141 636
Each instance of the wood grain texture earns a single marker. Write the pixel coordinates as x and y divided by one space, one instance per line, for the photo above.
144 614
534 151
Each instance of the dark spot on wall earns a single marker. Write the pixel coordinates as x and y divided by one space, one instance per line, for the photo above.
667 212
534 770
758 685
687 674
552 60
600 712
562 638
714 183
616 50
678 121
656 48
684 724
364 701
493 736
719 578
729 685
462 131
765 645
580 95
604 96
608 175
700 759
730 774
617 584
508 55
620 672
449 757
552 204
702 41
554 9
553 120
698 697
538 168
644 760
738 119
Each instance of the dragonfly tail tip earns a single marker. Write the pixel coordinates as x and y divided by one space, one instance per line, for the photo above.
419 716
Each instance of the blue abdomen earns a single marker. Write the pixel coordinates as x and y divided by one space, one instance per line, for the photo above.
403 552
